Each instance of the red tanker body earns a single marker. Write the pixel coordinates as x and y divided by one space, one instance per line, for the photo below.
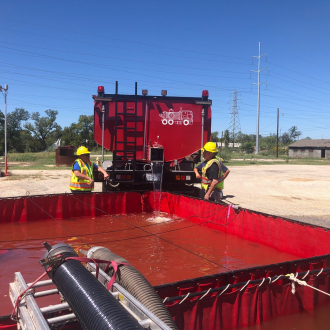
142 130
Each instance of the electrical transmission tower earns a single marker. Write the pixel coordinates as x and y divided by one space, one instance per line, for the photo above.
234 124
258 84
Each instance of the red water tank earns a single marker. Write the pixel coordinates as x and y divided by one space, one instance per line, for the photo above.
173 122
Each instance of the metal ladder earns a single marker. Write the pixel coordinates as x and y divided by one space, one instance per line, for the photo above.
31 317
120 146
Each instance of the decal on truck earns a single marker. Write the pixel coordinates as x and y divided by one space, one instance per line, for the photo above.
184 117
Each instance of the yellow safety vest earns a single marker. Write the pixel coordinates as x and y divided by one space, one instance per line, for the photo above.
80 184
206 182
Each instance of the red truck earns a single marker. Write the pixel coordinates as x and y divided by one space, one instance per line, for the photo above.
143 131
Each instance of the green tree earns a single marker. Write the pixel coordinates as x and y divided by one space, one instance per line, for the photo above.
294 133
285 138
70 135
214 136
81 133
291 135
242 138
85 130
54 136
15 129
267 142
31 144
248 147
42 126
226 138
15 142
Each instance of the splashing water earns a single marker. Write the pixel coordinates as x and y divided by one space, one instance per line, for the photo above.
160 217
157 173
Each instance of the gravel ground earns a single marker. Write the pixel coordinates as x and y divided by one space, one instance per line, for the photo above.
298 192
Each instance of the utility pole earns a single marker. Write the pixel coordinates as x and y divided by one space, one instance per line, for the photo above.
5 89
234 124
221 140
278 119
258 84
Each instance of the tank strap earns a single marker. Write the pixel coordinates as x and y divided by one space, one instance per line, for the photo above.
15 314
100 261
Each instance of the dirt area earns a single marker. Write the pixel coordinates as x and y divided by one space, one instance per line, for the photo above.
298 192
260 159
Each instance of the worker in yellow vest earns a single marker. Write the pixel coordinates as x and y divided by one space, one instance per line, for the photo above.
82 178
213 173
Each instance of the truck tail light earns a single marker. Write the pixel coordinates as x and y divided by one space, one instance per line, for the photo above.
188 177
183 177
177 177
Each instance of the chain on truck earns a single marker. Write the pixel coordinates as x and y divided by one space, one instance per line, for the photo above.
143 130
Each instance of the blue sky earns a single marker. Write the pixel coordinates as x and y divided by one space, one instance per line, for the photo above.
54 54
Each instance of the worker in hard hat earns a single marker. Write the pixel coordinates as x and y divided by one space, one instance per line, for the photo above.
213 173
82 178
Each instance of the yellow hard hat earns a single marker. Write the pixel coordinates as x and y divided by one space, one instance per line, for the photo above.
82 150
211 147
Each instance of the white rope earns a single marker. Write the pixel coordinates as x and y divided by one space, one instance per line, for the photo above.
184 298
225 289
293 286
263 280
319 272
306 274
164 301
205 294
295 279
245 285
277 278
292 277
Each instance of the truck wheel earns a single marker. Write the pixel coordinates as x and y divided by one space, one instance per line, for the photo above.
170 122
186 122
164 121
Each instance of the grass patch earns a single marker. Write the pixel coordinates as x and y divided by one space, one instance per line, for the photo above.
40 160
45 157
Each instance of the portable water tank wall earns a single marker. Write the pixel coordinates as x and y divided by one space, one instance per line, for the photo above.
252 304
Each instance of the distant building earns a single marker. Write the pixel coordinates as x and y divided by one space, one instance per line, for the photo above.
310 148
230 145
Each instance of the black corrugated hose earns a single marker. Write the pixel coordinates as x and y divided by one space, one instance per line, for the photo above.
135 283
94 306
